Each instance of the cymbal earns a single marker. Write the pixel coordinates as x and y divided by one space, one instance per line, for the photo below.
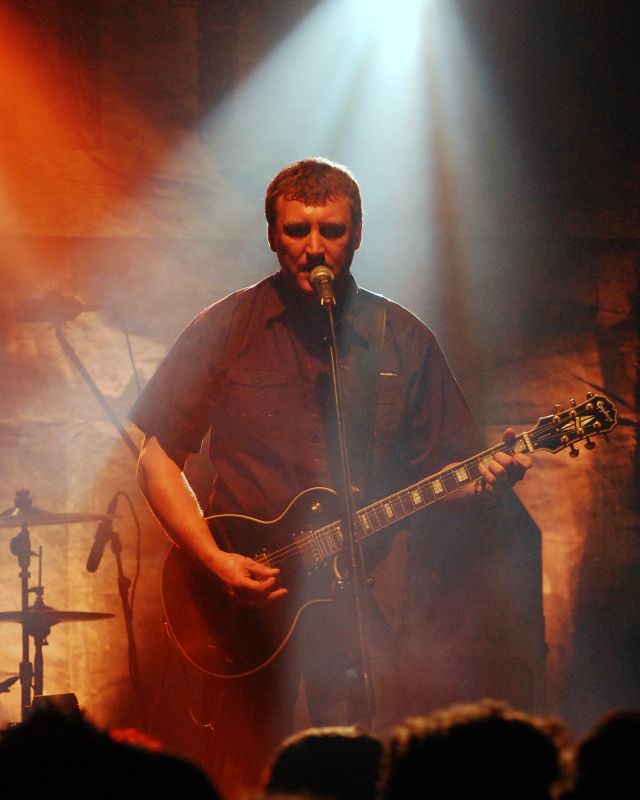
50 616
17 517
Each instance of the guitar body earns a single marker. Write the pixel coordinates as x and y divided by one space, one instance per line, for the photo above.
215 633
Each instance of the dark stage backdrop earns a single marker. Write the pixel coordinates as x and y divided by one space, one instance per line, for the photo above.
120 186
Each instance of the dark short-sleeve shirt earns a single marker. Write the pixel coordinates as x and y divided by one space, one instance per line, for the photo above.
254 368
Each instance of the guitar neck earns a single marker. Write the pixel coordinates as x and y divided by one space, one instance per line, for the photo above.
430 490
402 504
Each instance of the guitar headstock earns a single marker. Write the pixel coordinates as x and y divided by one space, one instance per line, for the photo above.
596 415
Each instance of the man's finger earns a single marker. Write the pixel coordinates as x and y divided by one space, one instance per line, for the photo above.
261 585
281 592
261 569
509 435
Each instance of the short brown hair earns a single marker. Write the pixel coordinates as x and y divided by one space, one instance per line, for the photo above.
315 181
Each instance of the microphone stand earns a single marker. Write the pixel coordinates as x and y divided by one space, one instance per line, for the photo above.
359 679
124 584
75 360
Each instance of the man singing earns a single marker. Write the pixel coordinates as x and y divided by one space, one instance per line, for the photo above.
254 370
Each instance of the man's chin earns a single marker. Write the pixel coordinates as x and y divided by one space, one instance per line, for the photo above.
299 282
302 283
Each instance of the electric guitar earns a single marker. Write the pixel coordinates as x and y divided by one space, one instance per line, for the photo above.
227 640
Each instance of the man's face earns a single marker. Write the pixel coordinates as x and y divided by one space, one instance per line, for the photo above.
305 236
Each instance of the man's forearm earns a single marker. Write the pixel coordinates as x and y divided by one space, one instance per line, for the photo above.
173 502
176 507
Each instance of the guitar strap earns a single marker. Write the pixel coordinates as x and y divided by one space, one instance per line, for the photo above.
360 402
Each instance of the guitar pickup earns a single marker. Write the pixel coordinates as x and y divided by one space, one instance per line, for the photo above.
308 548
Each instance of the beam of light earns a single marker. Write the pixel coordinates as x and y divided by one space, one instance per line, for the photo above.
346 83
400 95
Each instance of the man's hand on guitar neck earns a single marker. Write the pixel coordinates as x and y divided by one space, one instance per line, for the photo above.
174 504
501 470
504 469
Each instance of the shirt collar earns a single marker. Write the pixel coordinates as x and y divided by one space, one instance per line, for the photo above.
347 314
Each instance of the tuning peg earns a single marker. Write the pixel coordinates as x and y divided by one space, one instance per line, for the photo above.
589 395
557 408
572 403
573 451
589 445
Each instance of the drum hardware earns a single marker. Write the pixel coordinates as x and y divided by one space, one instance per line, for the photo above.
36 620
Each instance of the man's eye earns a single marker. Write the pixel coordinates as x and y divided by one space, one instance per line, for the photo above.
296 231
332 231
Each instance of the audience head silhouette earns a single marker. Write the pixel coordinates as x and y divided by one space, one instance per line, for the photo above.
59 752
606 760
473 750
330 762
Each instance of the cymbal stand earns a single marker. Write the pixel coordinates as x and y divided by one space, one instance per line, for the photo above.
39 630
21 548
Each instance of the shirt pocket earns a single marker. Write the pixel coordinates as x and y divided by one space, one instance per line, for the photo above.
256 397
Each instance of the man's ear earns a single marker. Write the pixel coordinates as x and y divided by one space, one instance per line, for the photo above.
357 235
271 237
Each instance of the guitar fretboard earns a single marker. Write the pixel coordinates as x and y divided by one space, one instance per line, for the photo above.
329 540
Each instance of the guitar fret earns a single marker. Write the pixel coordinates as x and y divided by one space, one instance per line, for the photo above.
450 482
398 506
461 474
329 544
318 542
379 522
405 504
364 521
336 536
428 495
388 510
525 443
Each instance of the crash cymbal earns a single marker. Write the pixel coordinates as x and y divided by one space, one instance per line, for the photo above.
17 517
50 616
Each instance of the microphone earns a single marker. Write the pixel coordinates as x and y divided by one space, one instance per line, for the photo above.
53 307
103 534
321 278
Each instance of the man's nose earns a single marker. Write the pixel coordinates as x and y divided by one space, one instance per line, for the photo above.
315 248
